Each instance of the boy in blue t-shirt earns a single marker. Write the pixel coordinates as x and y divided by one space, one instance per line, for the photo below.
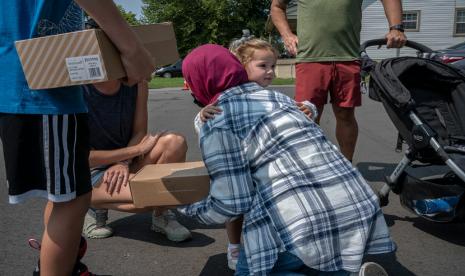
44 133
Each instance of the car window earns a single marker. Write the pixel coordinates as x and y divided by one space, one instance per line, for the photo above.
178 64
459 46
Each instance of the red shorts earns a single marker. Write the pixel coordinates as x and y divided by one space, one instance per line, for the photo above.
341 79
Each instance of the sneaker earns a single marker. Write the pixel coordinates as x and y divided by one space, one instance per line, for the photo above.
233 257
372 269
169 226
81 269
95 224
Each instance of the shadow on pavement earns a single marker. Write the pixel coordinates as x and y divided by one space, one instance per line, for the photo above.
450 232
216 265
137 227
390 264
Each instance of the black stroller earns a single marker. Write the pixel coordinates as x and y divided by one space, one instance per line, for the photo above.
425 100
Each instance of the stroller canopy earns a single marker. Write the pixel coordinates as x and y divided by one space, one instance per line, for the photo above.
434 90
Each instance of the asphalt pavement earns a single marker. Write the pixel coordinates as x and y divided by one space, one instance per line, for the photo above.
424 248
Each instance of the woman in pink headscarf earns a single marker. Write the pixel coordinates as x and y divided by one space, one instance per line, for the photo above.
210 74
306 209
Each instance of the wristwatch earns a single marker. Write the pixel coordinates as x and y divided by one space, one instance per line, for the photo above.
398 27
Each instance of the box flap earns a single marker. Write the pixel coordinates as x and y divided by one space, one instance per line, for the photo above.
160 41
110 57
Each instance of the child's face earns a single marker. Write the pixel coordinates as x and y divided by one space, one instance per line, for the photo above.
261 68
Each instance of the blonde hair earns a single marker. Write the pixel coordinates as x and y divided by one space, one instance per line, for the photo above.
245 49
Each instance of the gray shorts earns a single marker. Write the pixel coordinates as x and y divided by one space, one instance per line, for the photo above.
96 175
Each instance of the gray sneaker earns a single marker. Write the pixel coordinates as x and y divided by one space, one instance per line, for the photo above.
95 224
372 269
169 226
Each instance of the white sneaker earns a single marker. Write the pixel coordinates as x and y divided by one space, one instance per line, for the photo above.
372 269
233 257
169 226
95 226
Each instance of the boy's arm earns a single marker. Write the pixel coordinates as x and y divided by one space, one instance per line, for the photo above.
231 185
135 58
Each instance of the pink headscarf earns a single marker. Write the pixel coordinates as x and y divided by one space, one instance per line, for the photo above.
209 70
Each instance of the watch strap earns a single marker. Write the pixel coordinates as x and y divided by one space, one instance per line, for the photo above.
398 27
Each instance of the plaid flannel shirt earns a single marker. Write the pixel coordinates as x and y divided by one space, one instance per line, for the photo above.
269 162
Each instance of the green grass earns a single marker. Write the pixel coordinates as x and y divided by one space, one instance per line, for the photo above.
157 82
283 81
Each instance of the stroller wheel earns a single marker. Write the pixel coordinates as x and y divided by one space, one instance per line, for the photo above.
383 199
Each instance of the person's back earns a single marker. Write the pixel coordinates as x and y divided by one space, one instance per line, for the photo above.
304 185
302 201
28 19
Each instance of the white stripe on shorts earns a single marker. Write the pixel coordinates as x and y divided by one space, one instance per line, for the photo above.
64 138
46 138
74 148
56 153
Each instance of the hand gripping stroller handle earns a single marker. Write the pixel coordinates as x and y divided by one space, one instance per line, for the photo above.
382 41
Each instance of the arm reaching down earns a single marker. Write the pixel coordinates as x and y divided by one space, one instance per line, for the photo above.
231 187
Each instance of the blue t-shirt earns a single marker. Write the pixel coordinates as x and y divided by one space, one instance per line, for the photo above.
24 19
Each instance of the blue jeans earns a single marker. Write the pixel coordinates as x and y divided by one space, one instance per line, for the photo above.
286 265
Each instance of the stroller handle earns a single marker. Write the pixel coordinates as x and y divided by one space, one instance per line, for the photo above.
382 41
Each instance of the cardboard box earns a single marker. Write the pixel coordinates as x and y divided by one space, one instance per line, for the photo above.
88 56
170 184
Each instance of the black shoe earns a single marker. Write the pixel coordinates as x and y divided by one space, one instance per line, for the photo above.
79 269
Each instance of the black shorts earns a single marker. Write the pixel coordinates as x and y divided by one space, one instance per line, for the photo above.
46 156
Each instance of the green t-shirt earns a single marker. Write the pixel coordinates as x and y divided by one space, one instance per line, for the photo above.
328 30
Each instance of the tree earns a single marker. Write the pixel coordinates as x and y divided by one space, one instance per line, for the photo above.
130 17
198 22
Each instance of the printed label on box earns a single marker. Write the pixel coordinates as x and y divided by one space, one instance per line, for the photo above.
84 68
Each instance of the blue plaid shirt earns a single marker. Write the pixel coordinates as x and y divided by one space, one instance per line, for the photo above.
269 162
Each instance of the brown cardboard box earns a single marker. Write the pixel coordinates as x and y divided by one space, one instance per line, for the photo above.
88 56
170 184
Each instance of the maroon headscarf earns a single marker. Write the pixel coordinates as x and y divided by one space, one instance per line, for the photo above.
209 70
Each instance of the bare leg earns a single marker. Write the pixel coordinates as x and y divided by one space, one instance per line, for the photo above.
60 241
170 148
234 230
346 130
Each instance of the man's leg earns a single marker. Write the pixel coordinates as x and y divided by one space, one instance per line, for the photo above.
345 96
346 130
313 80
60 241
